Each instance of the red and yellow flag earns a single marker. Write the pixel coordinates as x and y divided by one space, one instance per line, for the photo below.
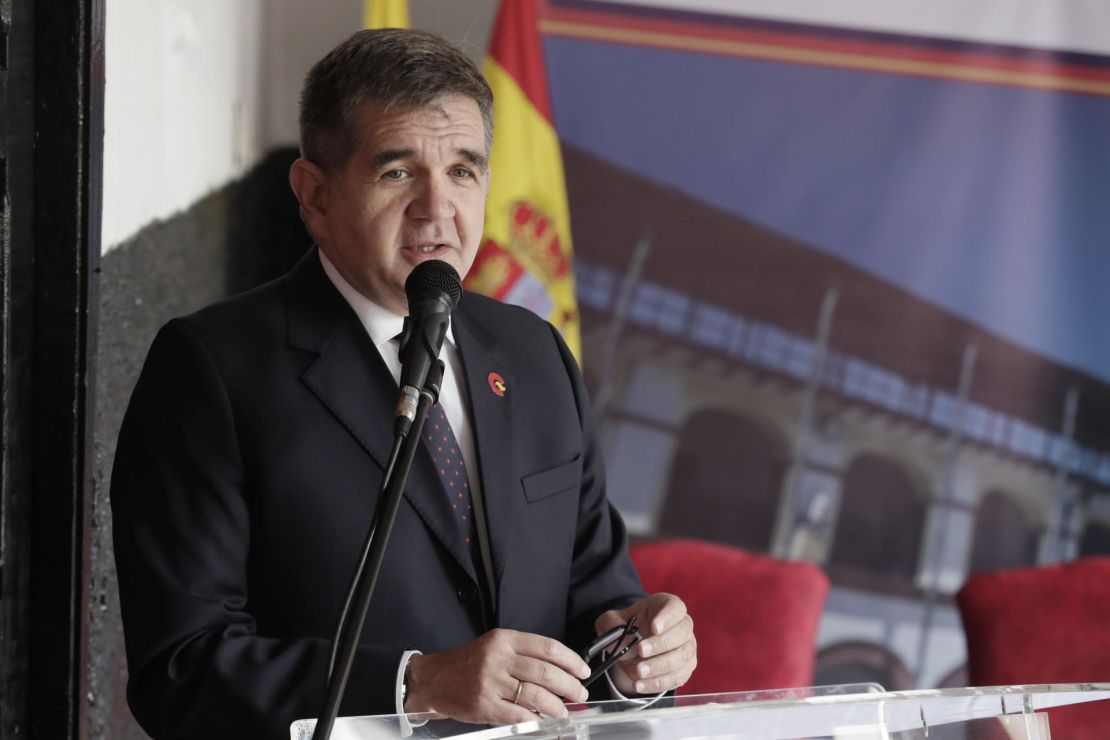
385 13
525 256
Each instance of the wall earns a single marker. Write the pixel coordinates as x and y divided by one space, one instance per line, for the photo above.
182 105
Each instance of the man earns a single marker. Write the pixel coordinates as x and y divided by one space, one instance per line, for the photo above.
254 445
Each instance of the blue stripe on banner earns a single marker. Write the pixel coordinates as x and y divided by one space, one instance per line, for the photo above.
988 201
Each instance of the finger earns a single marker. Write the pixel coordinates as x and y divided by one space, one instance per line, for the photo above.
661 612
671 674
550 677
608 620
550 651
513 706
663 683
508 713
676 635
671 661
534 696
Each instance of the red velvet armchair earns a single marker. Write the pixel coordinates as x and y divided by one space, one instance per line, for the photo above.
1043 625
755 617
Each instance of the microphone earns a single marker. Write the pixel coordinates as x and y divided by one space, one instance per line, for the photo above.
433 289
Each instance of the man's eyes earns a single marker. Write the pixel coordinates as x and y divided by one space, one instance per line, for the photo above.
399 173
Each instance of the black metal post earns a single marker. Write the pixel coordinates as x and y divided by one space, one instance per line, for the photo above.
373 553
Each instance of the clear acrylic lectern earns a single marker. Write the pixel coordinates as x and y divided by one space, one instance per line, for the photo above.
852 712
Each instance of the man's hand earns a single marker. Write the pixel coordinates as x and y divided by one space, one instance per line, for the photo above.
479 681
667 652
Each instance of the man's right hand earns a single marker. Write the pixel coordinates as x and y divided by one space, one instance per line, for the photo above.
479 681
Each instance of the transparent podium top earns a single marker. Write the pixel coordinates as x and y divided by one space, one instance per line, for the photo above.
853 711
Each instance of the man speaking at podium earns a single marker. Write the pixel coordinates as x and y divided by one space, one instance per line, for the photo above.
253 449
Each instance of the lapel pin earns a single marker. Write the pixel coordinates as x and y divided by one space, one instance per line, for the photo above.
496 384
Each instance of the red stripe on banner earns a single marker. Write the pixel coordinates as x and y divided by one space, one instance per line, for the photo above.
515 44
560 21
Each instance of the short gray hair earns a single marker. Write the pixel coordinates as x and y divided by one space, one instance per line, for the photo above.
392 66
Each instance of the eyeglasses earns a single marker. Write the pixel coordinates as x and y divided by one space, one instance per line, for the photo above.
610 647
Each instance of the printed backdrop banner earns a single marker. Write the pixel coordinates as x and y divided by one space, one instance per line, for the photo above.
843 294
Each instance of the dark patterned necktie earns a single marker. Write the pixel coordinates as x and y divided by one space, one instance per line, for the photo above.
444 448
446 456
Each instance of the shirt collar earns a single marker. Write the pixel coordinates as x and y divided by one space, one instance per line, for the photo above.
380 323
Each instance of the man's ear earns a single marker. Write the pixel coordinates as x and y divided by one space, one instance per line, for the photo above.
310 184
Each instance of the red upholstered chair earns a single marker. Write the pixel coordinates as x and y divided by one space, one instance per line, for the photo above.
1043 625
755 617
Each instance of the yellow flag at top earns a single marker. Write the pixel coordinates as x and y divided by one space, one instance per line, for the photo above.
385 13
525 256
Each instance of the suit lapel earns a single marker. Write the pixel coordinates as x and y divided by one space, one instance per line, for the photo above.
352 381
491 418
348 376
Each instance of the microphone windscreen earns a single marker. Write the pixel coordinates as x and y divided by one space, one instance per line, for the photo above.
433 278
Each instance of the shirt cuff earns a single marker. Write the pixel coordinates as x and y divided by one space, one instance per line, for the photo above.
644 701
399 694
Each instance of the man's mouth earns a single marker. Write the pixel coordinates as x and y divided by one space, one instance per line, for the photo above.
425 249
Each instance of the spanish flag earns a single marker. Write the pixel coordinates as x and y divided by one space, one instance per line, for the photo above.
525 256
385 13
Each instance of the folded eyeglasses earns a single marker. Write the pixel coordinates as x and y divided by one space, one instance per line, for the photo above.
610 647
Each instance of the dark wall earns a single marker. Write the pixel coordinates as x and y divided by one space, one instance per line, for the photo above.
236 237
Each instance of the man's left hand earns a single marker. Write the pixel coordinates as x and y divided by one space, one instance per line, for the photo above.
667 653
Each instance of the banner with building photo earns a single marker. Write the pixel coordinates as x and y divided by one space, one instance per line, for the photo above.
842 287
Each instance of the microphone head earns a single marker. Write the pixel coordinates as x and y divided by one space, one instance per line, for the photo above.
433 279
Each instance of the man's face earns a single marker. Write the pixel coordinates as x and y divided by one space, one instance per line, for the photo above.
414 190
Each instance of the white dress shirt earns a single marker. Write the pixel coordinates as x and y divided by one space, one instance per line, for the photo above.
383 326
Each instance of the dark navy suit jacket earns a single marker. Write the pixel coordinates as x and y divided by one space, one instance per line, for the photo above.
247 470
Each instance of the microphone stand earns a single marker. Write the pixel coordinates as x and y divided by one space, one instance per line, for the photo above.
353 616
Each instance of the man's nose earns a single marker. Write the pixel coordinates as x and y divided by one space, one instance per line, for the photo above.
432 201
